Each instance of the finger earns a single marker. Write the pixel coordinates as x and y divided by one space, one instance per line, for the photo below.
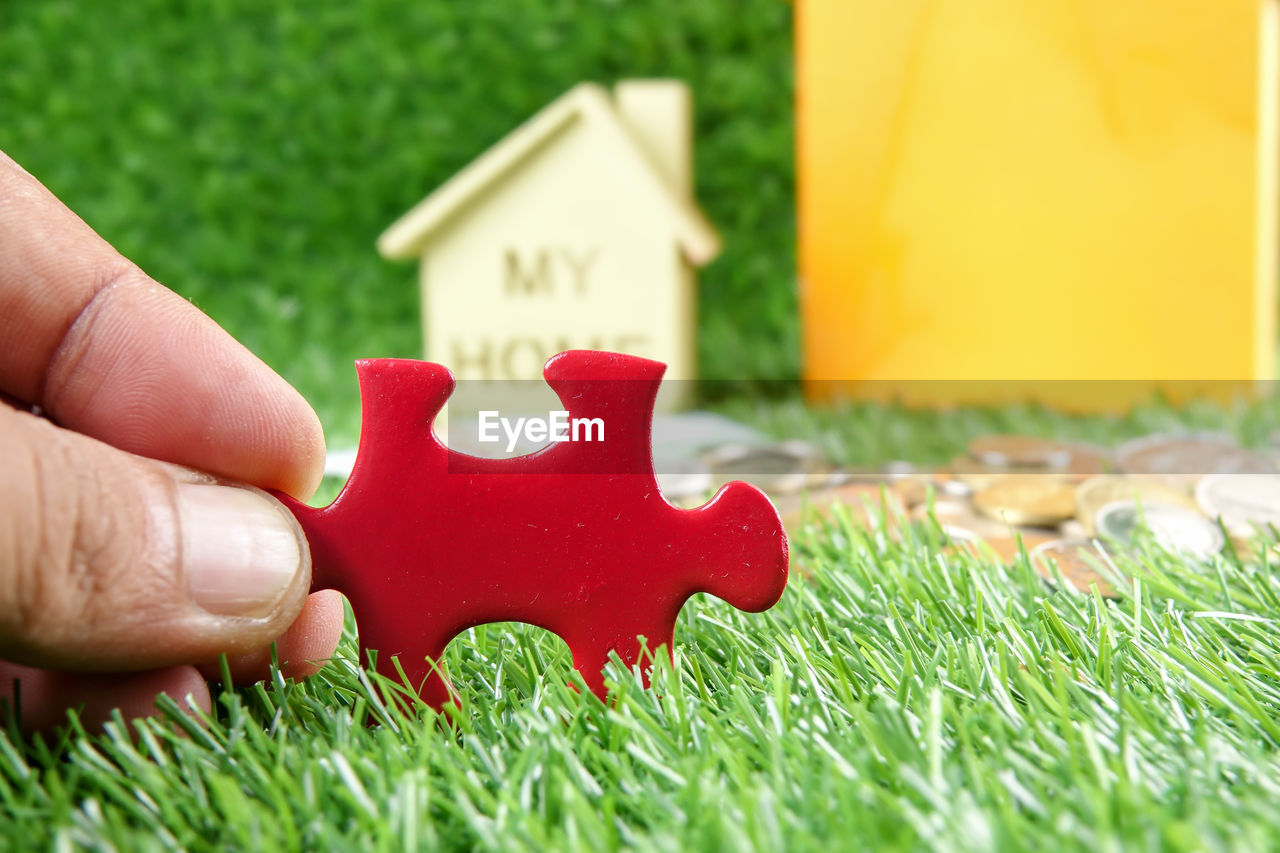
42 697
113 562
302 651
106 351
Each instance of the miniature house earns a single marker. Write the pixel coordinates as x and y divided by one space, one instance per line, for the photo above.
576 231
995 196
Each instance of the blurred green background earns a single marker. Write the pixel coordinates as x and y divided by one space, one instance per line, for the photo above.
248 154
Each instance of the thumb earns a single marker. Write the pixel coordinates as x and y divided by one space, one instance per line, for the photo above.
109 561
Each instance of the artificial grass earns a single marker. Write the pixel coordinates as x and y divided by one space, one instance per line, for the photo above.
901 696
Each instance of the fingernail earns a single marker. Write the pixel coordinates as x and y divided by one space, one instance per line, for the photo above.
239 550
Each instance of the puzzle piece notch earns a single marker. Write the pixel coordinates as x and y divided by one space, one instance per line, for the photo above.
574 538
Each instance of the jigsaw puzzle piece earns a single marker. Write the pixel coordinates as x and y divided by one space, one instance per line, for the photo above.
575 538
734 548
399 401
611 389
400 398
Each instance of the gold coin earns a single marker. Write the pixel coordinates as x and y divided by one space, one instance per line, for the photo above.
960 522
1077 561
974 475
1252 548
1094 493
1004 548
1037 500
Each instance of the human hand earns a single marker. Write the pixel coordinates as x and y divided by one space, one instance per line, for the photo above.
124 567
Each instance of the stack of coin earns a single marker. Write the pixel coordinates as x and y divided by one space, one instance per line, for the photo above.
1059 501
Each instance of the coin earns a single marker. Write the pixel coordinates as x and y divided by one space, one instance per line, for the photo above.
682 478
1004 548
952 488
1252 548
1194 454
1175 528
1095 492
862 499
1038 454
1240 500
680 435
789 466
958 520
763 458
1073 529
1077 560
915 490
1087 461
912 490
900 468
974 475
1027 499
1019 451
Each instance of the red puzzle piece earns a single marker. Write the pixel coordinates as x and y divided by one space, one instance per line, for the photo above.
426 542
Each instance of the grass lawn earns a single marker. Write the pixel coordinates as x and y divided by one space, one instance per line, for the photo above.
899 697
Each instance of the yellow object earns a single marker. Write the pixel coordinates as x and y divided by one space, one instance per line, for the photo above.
1000 190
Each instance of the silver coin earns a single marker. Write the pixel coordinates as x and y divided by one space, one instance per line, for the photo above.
1073 529
900 468
916 490
1192 454
1019 451
678 435
1040 454
1241 500
1175 528
782 468
786 457
955 488
682 478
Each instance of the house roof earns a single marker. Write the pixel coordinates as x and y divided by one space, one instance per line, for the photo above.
408 236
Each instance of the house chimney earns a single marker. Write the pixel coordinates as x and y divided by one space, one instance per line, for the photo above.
659 115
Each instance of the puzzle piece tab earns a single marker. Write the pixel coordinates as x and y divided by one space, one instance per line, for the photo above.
575 538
